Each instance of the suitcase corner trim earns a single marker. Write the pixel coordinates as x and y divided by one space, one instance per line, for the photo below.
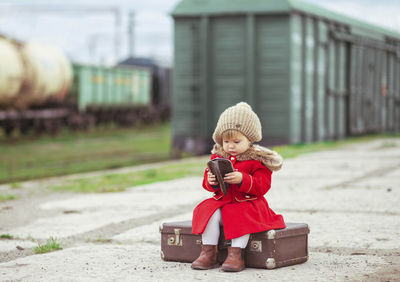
162 255
270 263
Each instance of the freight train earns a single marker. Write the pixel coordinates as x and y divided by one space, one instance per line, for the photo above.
41 90
310 74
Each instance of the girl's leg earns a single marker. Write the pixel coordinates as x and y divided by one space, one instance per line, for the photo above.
234 261
241 242
211 233
209 249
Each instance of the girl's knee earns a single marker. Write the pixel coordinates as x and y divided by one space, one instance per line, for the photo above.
216 216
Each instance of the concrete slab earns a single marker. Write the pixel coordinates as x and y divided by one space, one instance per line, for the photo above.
141 262
11 245
358 231
83 213
354 199
394 173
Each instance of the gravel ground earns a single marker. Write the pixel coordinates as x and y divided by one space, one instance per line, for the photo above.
349 197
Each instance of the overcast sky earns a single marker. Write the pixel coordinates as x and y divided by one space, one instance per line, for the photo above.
90 37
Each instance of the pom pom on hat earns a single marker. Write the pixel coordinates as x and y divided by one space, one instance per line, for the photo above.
241 118
243 104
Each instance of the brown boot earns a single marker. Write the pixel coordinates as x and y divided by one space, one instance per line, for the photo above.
207 258
234 261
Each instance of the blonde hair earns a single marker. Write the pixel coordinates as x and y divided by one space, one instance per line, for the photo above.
231 133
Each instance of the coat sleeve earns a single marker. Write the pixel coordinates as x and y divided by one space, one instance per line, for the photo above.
207 185
258 182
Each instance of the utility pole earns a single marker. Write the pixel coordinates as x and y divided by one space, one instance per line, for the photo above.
117 41
131 34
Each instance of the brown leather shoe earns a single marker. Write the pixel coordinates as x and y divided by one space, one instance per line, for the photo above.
234 261
207 258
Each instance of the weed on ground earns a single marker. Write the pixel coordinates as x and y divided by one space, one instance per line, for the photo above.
4 198
49 246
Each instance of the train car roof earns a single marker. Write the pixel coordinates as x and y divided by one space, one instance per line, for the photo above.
190 8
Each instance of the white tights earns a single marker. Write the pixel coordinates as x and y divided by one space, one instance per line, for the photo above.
211 233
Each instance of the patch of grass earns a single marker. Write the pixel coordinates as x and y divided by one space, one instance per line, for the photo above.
4 198
26 158
49 246
119 182
291 151
16 185
70 152
102 240
386 145
6 236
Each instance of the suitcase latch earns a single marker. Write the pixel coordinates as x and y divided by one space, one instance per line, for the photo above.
256 246
175 240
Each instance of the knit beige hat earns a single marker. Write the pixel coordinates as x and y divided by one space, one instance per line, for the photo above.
241 118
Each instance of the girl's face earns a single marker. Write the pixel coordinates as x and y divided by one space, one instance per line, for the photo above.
236 144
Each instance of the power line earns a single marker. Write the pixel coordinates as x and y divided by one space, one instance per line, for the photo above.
75 10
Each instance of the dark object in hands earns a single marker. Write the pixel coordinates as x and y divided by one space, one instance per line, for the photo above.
219 167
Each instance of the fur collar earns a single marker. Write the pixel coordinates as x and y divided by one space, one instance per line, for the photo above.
267 157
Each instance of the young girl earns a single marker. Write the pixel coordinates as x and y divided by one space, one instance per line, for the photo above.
244 209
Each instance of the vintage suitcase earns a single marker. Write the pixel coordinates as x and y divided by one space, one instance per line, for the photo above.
270 249
178 243
274 248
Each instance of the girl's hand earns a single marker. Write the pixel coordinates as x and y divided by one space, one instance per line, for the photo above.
211 179
233 177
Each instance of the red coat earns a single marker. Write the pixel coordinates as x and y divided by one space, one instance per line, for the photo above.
244 209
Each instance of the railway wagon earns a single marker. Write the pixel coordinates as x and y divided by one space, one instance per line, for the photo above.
160 83
110 94
309 73
41 91
34 80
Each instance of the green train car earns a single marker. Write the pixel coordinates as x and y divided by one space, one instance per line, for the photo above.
309 73
119 94
118 86
123 95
